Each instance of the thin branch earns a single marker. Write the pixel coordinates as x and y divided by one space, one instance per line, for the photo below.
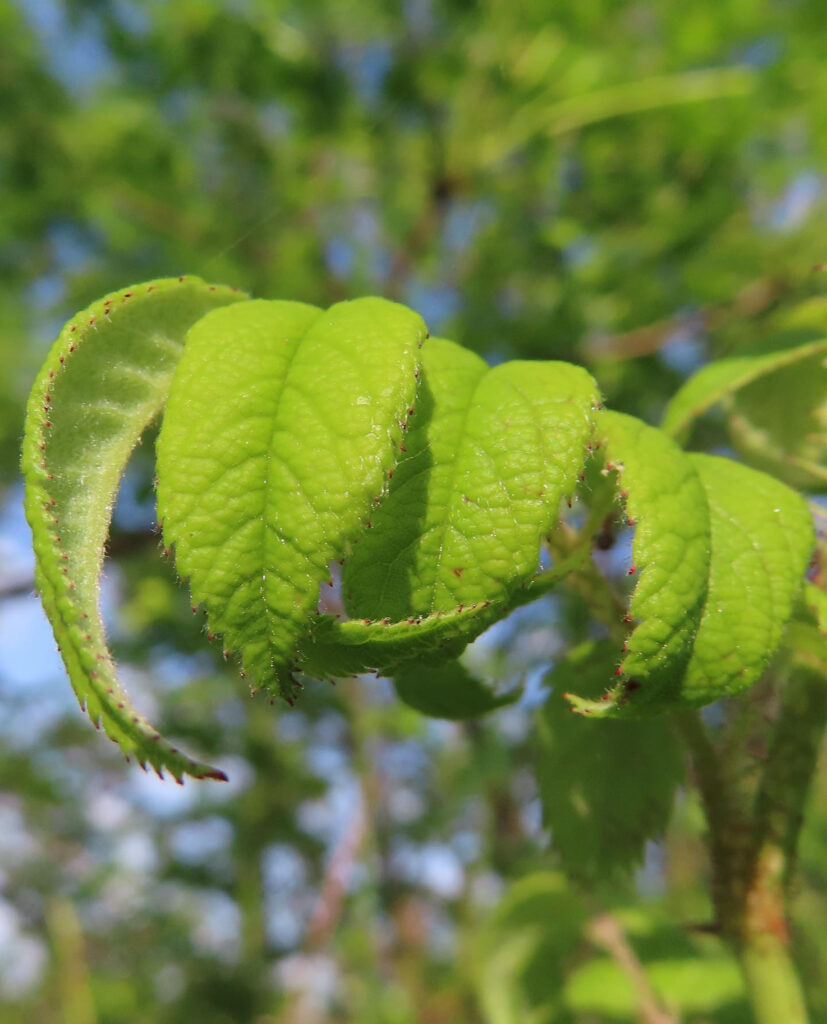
606 932
22 587
729 829
337 876
752 300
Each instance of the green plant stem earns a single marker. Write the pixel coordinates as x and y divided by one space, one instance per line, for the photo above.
729 830
793 756
772 982
74 987
753 854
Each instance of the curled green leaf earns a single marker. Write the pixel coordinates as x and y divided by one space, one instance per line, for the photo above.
104 380
666 502
337 648
760 542
488 459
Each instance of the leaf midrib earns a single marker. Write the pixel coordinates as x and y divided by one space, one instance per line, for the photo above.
266 570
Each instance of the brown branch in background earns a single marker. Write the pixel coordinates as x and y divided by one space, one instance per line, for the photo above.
119 545
422 234
337 876
605 932
22 587
752 300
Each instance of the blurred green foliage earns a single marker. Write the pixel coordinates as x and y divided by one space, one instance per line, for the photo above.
635 186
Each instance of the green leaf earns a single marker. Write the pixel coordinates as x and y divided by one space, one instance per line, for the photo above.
337 648
690 984
783 437
282 426
760 542
448 691
525 948
722 378
489 457
104 380
606 789
665 500
762 539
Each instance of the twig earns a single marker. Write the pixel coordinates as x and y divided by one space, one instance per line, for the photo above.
729 829
329 906
605 931
119 544
751 301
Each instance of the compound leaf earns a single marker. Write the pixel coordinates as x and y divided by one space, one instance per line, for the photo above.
104 380
282 425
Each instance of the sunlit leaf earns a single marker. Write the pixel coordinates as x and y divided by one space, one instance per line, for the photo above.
282 425
105 379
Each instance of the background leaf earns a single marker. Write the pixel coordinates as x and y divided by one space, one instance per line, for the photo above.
525 949
606 788
448 691
783 437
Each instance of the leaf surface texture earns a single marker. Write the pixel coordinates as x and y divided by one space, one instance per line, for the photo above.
282 424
